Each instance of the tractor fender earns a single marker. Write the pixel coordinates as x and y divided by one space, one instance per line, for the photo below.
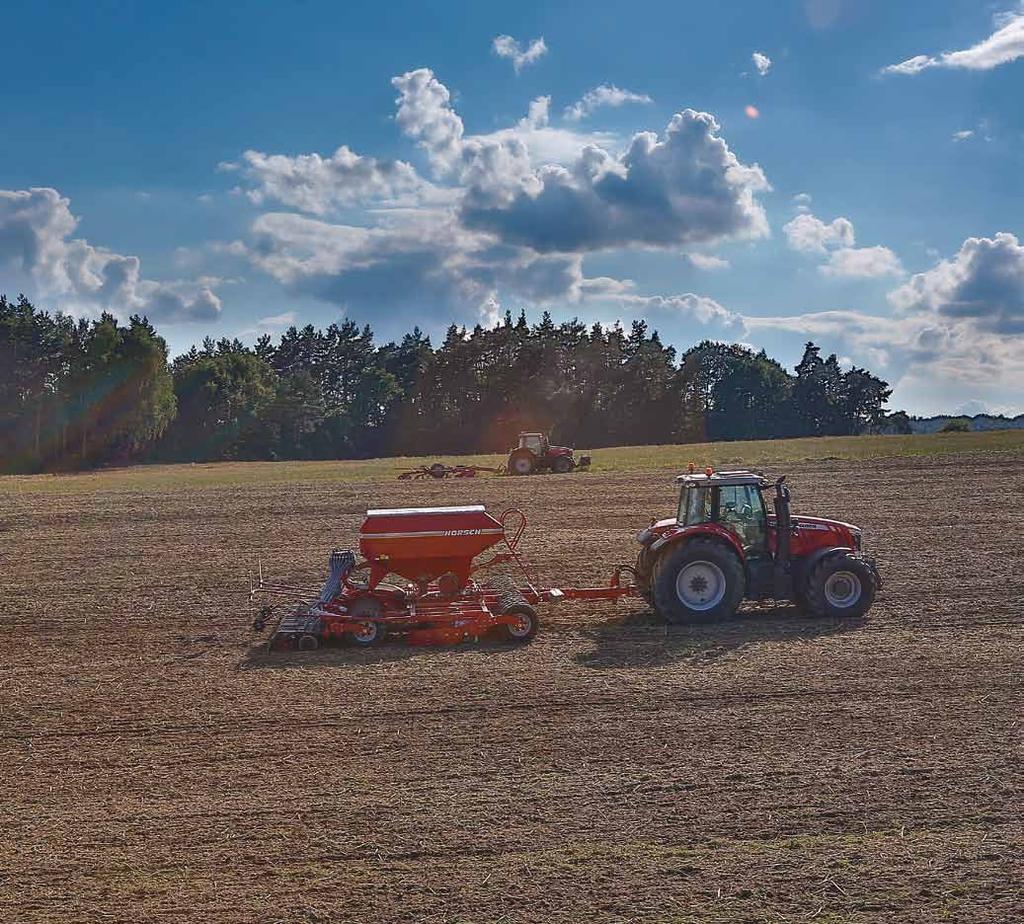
803 566
674 537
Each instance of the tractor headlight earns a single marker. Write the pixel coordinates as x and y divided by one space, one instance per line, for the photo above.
644 536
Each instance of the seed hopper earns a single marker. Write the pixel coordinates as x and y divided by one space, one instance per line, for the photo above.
417 578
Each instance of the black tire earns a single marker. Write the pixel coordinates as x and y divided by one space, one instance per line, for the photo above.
527 628
562 465
721 564
521 462
308 642
840 586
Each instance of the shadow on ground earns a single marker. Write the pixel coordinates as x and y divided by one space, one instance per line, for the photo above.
340 655
644 640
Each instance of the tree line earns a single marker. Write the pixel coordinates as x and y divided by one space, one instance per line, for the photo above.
79 394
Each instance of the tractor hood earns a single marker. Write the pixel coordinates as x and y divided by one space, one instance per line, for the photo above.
815 531
559 451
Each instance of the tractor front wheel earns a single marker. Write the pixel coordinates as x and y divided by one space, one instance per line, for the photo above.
521 462
562 465
839 586
698 581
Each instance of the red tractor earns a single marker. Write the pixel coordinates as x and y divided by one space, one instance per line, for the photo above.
724 546
535 454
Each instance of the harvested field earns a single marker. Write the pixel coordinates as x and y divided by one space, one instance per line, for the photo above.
159 767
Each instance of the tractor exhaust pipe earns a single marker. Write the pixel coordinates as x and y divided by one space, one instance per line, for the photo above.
783 532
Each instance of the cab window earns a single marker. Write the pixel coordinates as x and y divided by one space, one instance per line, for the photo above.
741 510
694 506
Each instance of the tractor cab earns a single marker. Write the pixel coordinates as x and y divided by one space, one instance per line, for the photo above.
537 443
732 500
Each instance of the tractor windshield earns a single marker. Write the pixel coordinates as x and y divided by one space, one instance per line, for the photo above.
532 441
694 505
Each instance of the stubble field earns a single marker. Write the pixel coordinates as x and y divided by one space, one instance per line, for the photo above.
158 766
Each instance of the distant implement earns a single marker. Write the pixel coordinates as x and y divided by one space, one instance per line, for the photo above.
440 470
533 455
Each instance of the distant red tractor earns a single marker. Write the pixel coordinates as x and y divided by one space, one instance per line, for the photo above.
724 546
535 454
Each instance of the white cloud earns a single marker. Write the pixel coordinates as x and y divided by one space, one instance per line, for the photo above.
606 95
983 282
271 324
425 113
1006 44
318 184
963 136
863 262
538 115
688 187
762 62
36 248
811 235
426 260
688 307
277 321
802 202
504 46
706 261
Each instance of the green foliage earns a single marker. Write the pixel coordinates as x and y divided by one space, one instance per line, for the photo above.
75 395
85 394
956 425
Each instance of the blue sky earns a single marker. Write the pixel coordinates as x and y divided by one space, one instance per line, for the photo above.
872 199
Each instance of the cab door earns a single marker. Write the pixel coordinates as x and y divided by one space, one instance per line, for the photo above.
741 511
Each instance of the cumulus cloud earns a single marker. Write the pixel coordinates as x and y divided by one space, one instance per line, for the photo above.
811 235
959 329
36 247
863 263
318 184
504 46
983 282
606 95
762 62
509 214
1004 45
423 260
687 187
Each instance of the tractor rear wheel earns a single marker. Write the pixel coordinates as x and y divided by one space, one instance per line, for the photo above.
698 581
521 462
840 586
